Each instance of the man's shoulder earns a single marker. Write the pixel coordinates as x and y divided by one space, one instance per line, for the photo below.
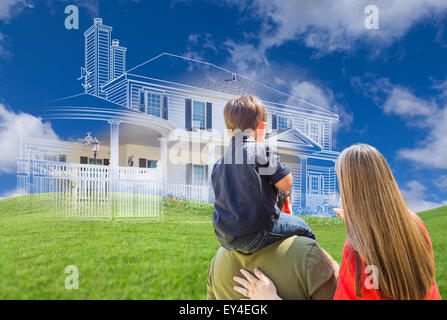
295 245
290 247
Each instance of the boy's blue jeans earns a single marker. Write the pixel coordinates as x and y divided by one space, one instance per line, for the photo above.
287 225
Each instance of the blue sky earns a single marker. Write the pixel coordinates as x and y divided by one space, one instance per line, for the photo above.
388 85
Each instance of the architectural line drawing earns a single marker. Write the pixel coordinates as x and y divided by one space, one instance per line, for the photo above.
164 95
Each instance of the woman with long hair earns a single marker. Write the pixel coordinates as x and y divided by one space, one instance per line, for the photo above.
388 252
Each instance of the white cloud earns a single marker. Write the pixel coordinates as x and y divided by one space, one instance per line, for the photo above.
427 113
199 45
312 93
441 86
10 8
323 97
441 182
287 77
329 26
415 196
253 64
247 60
3 50
403 102
13 128
431 151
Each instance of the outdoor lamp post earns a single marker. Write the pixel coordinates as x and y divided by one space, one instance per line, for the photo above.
95 147
89 140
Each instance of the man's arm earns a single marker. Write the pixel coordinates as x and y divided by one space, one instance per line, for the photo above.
321 274
209 293
333 263
282 177
209 287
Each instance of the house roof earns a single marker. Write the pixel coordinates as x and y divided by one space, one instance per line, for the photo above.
293 139
89 107
191 72
83 100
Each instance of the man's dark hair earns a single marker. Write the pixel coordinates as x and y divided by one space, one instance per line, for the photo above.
282 198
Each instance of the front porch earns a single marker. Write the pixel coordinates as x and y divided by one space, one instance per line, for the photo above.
314 189
127 177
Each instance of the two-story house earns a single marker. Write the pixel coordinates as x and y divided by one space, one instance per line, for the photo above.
174 107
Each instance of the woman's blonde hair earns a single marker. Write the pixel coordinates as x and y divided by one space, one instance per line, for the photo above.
380 227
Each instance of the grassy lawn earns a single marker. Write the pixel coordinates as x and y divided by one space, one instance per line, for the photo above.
136 260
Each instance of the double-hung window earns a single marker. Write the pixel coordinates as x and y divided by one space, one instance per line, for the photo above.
150 103
153 104
198 175
314 131
314 184
199 115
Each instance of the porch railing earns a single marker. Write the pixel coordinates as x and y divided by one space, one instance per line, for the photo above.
190 192
93 191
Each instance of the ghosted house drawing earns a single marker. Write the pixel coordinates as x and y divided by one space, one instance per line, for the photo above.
171 93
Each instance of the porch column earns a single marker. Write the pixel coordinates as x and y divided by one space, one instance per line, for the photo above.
114 143
164 159
211 155
303 182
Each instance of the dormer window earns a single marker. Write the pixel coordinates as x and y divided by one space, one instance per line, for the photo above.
283 123
150 103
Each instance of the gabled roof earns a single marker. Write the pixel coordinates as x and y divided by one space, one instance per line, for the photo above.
293 139
191 72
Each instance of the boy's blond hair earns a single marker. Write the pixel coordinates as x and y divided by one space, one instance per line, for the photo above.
244 113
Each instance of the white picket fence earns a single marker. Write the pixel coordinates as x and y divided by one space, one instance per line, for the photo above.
190 192
93 191
101 192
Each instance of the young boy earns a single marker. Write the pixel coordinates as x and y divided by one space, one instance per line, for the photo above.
246 180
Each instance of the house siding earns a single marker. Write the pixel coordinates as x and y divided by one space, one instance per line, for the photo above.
299 121
295 168
176 107
176 103
176 173
117 93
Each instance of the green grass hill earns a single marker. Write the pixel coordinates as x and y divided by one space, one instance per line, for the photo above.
137 260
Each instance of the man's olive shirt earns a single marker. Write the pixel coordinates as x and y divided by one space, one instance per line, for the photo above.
297 266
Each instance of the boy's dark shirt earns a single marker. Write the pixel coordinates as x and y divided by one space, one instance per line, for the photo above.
244 191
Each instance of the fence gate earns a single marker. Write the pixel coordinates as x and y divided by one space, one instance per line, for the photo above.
93 191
